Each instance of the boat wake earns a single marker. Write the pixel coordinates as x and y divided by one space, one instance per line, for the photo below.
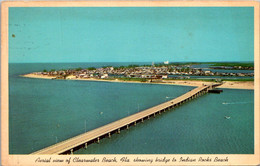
227 117
238 102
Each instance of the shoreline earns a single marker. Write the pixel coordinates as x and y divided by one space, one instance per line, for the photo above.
249 85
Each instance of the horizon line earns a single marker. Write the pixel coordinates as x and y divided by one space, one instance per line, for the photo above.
141 62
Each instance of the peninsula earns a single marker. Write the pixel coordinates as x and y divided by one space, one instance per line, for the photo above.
164 73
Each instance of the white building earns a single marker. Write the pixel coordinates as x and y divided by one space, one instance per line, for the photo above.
164 76
104 76
166 62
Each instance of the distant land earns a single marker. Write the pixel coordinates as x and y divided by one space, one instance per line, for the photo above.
169 73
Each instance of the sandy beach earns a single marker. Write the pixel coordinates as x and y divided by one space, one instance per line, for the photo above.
37 76
226 84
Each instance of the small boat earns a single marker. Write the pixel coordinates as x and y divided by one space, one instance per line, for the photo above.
227 117
101 113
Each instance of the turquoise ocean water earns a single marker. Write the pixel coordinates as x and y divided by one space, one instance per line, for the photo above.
43 112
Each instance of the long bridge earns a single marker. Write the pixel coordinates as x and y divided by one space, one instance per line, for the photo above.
83 140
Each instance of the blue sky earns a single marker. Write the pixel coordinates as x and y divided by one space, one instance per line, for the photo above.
131 34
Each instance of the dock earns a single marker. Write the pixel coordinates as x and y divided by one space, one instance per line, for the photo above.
94 136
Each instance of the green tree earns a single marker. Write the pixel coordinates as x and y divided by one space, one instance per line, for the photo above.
91 68
132 66
78 69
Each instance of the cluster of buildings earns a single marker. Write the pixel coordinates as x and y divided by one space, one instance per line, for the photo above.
162 72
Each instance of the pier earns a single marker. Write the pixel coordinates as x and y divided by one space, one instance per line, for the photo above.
94 136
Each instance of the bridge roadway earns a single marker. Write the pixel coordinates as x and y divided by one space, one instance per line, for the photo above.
68 145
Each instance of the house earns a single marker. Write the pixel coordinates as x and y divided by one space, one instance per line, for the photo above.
104 76
146 76
70 77
81 75
240 74
164 76
207 72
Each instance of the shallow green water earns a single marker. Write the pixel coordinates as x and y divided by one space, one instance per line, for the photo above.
43 112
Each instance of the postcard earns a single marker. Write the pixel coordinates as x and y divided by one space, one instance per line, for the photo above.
130 83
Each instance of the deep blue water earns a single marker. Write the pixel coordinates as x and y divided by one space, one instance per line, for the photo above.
43 112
